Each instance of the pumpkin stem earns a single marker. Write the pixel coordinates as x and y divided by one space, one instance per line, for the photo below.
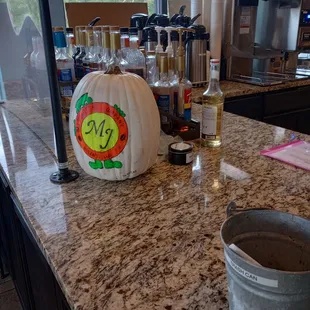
113 70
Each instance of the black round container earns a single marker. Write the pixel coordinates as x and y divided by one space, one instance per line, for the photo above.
180 153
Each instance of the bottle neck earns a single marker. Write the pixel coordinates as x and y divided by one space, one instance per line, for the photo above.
62 50
106 52
116 57
134 42
214 84
163 76
181 75
125 41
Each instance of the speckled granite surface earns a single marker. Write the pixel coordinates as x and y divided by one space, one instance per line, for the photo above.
151 243
235 89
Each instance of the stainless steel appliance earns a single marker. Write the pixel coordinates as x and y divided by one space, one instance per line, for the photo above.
259 38
196 55
304 28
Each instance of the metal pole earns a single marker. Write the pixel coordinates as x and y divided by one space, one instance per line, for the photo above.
63 175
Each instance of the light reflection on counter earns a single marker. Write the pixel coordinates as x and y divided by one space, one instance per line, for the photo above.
233 172
196 164
50 212
279 135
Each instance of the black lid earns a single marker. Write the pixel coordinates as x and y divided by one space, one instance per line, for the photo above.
133 30
124 30
200 32
161 20
138 20
183 21
198 28
150 34
69 29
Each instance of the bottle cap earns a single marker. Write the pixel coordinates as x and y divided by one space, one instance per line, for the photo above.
77 35
105 36
105 28
57 29
150 53
89 35
82 36
97 28
133 30
124 30
69 30
115 40
60 40
114 28
214 61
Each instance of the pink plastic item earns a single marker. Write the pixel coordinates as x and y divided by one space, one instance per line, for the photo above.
295 153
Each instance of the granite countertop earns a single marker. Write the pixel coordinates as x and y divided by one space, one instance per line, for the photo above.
235 89
153 242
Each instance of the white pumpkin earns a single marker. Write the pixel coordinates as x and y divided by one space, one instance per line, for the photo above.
114 125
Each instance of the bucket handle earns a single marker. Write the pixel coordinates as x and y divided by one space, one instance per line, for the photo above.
232 209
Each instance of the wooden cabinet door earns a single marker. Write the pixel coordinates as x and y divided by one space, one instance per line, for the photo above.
19 273
303 122
251 107
41 279
288 100
4 237
288 121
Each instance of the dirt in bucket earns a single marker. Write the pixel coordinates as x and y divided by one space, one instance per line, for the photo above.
275 251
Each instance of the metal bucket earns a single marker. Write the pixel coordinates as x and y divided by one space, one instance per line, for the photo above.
280 242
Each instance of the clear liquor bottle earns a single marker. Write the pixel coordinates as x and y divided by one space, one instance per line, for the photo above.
125 43
65 71
77 42
174 80
89 49
106 48
184 91
79 69
94 64
116 59
163 90
70 41
212 111
134 57
151 69
55 29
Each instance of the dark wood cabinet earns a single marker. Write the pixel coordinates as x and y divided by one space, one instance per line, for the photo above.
304 122
35 283
288 120
288 108
286 100
251 107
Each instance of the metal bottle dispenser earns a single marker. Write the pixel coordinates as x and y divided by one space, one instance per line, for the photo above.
149 38
196 55
139 20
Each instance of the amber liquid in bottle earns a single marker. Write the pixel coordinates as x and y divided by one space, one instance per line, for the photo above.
212 109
